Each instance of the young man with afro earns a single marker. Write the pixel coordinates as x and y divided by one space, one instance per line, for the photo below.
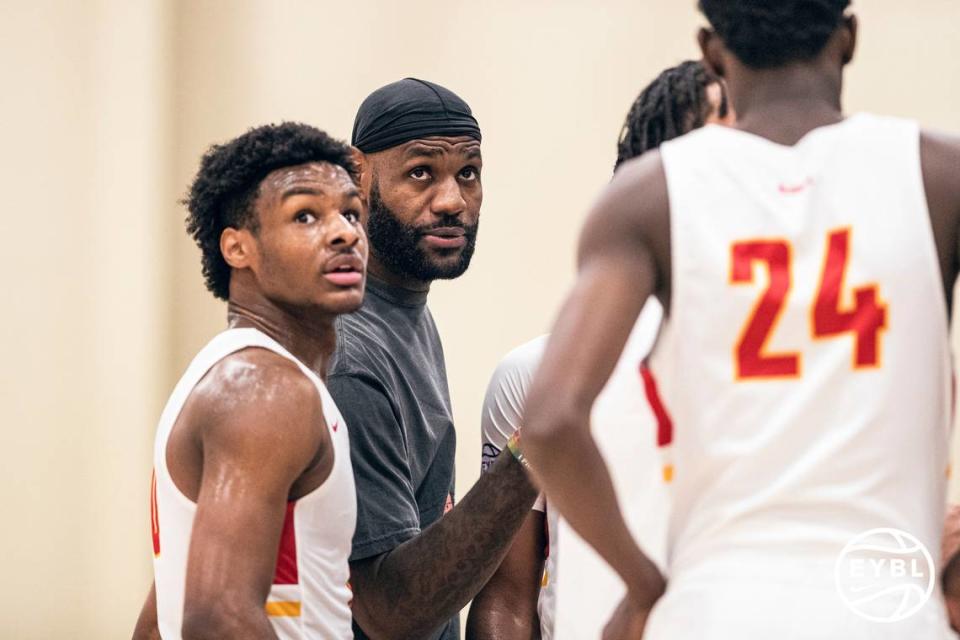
253 503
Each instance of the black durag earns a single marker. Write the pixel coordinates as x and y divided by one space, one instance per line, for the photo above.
409 110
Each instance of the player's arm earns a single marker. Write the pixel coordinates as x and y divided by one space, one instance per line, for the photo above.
260 418
147 628
623 255
940 158
410 591
506 607
407 583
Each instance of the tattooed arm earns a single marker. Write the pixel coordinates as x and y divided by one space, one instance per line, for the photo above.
412 590
408 582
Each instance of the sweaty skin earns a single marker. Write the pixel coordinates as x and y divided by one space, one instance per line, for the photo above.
506 608
309 223
216 454
413 589
624 257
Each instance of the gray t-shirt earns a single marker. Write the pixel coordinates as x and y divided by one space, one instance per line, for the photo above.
389 381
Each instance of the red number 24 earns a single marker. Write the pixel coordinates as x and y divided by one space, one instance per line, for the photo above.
828 318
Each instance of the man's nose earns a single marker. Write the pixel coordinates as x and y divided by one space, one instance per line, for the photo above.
343 233
448 200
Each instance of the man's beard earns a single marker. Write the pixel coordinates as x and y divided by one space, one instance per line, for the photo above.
396 244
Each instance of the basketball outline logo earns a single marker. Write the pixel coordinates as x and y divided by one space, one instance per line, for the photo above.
882 561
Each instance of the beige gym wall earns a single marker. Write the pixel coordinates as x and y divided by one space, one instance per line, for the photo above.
107 106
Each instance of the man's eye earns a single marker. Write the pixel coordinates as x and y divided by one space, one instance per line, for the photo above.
469 173
352 216
420 173
305 217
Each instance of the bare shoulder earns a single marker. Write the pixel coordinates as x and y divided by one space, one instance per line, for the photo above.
941 141
630 221
940 158
256 397
644 173
940 164
638 190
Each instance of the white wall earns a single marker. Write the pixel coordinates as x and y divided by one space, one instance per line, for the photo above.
106 109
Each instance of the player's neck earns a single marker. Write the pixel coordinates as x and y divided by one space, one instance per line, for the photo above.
785 104
308 335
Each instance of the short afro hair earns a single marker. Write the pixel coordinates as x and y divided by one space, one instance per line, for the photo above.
670 106
225 188
771 33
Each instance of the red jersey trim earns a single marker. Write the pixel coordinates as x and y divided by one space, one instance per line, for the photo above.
287 572
664 423
154 515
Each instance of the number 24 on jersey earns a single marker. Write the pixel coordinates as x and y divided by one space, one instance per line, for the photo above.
865 320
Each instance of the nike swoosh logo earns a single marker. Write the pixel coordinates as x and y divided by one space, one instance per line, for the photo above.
791 189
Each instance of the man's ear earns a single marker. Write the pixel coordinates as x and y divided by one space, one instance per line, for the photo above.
710 46
850 24
362 163
237 247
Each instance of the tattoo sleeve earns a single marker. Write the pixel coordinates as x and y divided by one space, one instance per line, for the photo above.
410 591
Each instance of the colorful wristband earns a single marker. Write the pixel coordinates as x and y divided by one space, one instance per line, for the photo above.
513 444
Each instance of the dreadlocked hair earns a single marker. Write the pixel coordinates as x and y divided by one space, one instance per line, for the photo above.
771 33
670 106
225 188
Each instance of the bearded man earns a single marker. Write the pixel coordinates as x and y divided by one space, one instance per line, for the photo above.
412 567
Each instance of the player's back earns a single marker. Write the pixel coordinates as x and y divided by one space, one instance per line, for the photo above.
805 362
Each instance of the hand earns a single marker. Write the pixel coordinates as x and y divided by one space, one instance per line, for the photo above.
953 610
950 547
628 621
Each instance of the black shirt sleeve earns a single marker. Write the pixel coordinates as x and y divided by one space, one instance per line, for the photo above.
387 513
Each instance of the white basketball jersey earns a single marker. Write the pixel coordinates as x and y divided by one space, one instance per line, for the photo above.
625 432
310 596
805 368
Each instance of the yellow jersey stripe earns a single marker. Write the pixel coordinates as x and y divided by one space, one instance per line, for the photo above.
283 609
